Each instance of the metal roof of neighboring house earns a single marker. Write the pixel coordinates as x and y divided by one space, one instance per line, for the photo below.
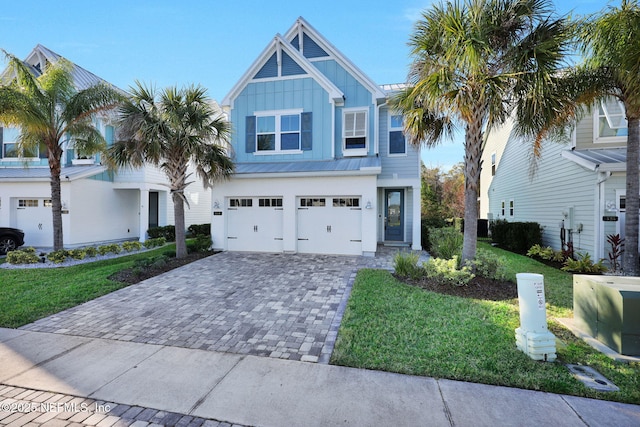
601 159
355 165
43 174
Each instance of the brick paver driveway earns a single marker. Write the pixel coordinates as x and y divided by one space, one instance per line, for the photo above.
276 305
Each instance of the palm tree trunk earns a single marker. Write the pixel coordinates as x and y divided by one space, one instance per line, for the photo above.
631 264
472 154
178 210
56 202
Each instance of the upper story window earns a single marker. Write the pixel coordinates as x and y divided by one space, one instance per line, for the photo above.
354 132
9 146
397 143
493 164
278 132
610 123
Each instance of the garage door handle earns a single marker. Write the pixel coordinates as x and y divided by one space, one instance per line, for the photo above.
328 229
255 228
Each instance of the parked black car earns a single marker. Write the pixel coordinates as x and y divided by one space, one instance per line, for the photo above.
10 239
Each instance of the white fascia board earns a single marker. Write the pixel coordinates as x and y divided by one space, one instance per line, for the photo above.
569 155
335 94
90 171
334 53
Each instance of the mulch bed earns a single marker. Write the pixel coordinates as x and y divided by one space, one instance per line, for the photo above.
135 275
478 288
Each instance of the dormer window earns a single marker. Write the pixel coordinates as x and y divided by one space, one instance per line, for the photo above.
354 132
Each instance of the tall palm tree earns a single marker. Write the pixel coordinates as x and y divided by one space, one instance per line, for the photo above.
171 130
474 63
50 111
611 44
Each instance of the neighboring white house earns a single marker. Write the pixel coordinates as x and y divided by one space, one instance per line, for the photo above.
578 186
322 165
98 205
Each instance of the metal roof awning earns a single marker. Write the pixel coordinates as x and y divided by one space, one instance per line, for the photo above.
599 159
345 166
71 173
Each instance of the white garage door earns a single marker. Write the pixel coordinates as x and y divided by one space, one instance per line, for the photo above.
330 225
254 224
34 217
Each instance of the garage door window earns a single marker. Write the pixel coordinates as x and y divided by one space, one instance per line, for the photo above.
235 203
266 203
346 203
28 203
306 203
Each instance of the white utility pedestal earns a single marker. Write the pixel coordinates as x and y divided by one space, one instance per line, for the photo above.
533 337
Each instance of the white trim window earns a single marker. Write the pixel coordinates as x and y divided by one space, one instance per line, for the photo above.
502 206
610 122
493 163
9 146
511 208
354 132
397 141
278 132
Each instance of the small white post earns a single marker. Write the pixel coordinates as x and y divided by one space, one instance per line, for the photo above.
532 337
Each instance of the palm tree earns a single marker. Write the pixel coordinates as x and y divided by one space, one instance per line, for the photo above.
611 44
171 130
50 111
474 63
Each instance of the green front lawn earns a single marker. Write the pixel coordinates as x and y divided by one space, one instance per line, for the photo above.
27 295
391 326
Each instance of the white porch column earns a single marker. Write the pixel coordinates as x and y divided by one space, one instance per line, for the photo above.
144 214
417 228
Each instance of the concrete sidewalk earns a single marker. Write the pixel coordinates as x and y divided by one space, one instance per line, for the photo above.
249 390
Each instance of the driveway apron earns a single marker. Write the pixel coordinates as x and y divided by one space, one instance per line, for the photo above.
285 306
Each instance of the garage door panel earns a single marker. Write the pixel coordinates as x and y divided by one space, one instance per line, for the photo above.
255 224
35 218
331 225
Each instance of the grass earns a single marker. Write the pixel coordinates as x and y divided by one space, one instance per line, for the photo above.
27 295
391 326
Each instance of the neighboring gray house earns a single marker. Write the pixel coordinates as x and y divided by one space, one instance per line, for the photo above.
578 186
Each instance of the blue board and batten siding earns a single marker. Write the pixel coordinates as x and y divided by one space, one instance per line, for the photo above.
304 94
399 166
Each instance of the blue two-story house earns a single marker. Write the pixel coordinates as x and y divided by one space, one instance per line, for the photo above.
322 165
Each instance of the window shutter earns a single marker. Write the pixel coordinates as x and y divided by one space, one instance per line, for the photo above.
306 131
1 142
250 133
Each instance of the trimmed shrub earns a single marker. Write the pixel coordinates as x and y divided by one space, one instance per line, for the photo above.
58 257
113 248
427 224
91 251
131 246
489 265
201 243
23 256
405 264
199 230
152 243
516 236
445 242
584 264
446 271
77 253
167 231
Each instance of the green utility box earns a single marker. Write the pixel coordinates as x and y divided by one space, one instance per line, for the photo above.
608 308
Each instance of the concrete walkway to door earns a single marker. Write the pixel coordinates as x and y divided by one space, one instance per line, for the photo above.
286 306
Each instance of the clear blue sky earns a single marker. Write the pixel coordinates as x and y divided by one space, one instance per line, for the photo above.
212 43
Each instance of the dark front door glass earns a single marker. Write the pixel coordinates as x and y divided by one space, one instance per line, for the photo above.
394 215
153 209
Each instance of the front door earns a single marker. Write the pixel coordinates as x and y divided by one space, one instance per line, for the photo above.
394 215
